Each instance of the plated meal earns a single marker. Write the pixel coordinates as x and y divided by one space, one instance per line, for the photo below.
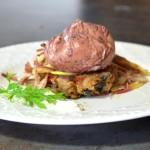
79 62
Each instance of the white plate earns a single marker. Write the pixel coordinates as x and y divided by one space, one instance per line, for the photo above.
134 104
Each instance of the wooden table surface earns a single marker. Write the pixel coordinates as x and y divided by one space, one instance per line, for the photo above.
25 21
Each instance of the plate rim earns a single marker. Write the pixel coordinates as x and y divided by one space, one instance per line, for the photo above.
96 120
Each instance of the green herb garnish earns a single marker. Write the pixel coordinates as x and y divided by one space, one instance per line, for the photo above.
30 95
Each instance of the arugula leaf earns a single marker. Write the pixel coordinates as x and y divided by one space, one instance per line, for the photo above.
31 96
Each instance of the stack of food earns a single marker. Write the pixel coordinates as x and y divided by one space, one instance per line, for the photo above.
81 61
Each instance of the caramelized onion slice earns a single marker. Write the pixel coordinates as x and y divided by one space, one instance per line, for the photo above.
48 70
130 65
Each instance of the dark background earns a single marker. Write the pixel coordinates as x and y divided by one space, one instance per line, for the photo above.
34 20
